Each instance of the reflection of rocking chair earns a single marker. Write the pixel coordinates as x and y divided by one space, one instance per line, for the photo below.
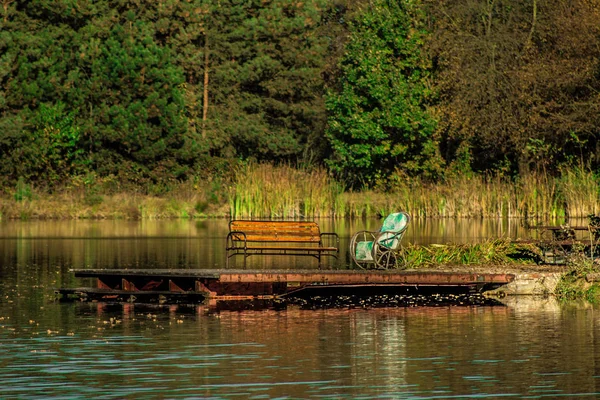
378 249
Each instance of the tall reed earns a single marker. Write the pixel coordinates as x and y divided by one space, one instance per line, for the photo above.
579 189
264 190
574 193
459 196
268 191
538 195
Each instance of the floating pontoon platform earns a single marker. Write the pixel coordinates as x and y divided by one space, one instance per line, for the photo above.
197 285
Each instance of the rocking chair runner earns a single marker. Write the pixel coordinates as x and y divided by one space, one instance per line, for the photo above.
378 249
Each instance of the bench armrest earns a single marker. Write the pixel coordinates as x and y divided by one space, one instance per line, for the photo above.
236 236
332 235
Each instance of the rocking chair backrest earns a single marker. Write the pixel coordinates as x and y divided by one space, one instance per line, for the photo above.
394 226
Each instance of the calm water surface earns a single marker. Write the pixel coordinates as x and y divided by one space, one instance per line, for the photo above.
525 348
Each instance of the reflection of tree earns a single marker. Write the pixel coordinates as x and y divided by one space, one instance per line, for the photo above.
380 349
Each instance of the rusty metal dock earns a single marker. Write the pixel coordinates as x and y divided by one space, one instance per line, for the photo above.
197 285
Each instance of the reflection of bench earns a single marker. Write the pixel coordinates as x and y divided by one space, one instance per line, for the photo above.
294 238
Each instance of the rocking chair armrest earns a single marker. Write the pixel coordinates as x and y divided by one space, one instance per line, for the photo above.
367 236
395 235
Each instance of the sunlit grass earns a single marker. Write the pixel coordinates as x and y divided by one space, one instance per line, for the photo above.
579 191
492 252
574 285
256 190
74 204
266 191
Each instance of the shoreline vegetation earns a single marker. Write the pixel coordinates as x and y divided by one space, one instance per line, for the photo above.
580 274
283 192
262 190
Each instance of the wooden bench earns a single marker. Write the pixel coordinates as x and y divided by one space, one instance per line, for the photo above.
565 232
294 238
563 239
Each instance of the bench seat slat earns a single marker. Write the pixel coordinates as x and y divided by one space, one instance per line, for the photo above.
315 249
267 238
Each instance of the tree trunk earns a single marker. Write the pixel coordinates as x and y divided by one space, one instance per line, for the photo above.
533 23
205 94
5 4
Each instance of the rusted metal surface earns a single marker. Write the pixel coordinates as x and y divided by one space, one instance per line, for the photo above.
243 284
238 275
367 277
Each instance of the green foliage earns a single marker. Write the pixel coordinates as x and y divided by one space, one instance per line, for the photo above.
23 191
93 90
267 102
510 87
574 285
152 93
55 150
377 116
139 106
497 252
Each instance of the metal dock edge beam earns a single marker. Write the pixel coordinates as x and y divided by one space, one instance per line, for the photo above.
243 284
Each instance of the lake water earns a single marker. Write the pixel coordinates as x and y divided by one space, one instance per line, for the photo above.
525 348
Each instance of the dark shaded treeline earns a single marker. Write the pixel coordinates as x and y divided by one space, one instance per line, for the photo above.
153 92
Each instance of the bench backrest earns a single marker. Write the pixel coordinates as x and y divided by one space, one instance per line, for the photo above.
277 231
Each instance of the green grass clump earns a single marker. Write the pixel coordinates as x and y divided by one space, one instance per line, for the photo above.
574 284
496 252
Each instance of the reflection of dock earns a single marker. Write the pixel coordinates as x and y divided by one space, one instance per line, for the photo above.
194 286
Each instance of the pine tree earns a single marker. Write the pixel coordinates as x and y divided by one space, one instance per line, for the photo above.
378 121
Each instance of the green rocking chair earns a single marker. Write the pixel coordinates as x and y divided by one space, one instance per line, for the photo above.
378 249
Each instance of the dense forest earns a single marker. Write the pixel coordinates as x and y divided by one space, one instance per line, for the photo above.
151 93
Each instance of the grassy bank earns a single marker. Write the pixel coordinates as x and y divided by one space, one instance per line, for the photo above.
582 282
495 252
266 191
